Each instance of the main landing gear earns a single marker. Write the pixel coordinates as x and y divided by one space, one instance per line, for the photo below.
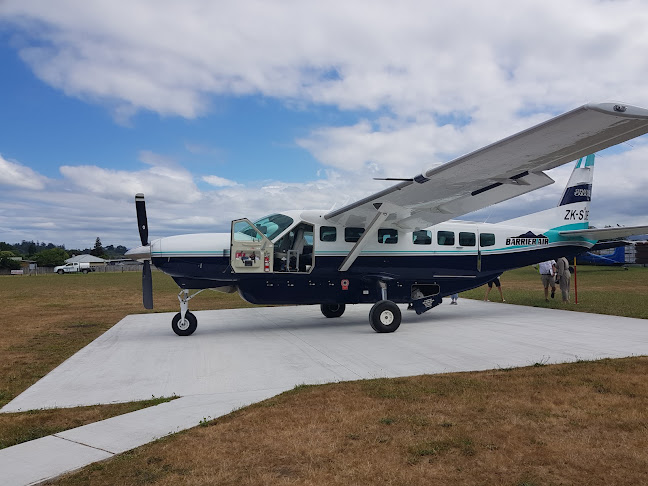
184 323
384 316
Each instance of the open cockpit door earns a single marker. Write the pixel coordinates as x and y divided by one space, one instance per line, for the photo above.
251 251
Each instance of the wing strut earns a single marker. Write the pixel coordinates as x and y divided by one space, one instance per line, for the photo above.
371 230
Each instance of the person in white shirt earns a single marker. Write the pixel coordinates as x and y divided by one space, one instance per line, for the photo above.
547 274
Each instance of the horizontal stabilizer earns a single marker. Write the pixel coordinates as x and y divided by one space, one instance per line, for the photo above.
607 233
607 244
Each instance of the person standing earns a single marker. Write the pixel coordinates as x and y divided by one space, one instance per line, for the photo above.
454 298
498 284
564 278
547 274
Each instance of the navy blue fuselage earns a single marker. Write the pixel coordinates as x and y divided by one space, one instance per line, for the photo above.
325 284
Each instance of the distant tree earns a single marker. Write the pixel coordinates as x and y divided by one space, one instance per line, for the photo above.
6 260
98 250
115 251
51 258
28 248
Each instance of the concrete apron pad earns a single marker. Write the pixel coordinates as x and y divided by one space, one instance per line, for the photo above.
240 356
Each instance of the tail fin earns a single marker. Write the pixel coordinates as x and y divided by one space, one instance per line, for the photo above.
572 212
616 258
579 187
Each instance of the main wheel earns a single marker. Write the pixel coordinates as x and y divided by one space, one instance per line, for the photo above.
385 316
332 310
184 327
60 272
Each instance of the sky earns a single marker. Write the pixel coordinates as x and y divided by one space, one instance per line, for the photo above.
218 110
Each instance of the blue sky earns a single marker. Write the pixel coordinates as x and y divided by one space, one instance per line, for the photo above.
220 110
239 130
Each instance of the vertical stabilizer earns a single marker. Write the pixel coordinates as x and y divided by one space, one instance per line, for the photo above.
579 186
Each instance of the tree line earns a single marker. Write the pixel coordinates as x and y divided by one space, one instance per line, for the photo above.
51 255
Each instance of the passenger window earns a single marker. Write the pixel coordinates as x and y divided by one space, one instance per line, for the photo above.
328 233
422 237
486 239
467 239
445 238
388 236
352 235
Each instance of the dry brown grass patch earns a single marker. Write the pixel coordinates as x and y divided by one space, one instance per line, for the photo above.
52 317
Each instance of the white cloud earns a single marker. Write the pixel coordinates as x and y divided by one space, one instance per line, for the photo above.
219 181
411 58
164 180
401 150
18 175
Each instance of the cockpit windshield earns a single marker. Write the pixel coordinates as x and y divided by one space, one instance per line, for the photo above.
273 225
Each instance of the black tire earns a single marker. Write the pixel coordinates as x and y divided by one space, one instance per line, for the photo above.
185 328
60 272
86 271
332 310
385 316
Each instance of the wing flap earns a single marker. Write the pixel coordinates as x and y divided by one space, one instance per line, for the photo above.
499 171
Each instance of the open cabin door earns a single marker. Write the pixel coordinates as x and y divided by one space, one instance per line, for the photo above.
250 250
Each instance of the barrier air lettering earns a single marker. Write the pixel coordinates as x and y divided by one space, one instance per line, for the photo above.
576 215
526 241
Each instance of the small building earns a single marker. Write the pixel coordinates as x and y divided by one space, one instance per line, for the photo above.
85 258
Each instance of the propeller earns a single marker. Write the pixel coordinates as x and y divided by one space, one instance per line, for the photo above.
147 279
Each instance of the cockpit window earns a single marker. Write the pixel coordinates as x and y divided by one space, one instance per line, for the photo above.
273 225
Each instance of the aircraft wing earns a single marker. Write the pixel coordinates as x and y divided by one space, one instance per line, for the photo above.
607 233
500 171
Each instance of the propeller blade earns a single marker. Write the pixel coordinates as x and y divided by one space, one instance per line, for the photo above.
147 285
142 222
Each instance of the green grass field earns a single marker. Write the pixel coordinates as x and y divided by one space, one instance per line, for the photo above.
601 290
542 420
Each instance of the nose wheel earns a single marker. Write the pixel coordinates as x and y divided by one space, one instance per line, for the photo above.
184 326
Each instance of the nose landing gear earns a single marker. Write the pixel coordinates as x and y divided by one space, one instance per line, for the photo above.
184 323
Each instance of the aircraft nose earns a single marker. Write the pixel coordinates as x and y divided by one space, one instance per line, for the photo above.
139 253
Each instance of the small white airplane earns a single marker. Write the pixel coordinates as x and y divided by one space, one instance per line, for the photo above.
400 245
